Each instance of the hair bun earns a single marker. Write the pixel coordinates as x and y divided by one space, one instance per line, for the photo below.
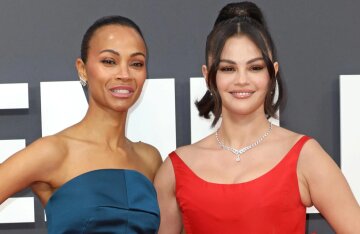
240 9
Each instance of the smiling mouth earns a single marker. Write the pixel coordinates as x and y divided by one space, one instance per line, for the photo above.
241 94
123 91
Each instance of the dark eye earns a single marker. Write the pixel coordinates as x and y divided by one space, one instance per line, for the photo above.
137 64
108 61
256 68
226 69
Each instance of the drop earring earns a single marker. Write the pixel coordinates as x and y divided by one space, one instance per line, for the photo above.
82 81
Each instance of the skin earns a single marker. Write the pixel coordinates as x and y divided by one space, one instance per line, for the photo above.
242 81
115 72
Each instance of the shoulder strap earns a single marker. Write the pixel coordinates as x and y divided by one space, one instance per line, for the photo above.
299 145
177 163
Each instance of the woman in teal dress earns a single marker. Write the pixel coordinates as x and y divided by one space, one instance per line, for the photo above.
90 177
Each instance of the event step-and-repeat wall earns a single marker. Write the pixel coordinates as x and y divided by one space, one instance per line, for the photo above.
317 45
152 120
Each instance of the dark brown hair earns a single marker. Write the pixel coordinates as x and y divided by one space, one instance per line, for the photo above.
105 21
250 25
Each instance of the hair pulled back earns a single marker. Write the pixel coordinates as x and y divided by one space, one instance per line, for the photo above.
236 19
105 21
235 9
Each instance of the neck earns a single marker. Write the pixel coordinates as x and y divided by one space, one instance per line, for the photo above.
240 131
105 126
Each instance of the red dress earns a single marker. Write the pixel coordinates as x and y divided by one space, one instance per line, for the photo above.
270 203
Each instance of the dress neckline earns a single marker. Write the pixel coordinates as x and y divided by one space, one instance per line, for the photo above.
270 171
72 180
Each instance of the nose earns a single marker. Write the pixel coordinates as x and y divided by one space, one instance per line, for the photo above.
241 77
123 72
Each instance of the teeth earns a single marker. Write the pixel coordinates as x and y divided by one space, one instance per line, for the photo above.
242 93
124 91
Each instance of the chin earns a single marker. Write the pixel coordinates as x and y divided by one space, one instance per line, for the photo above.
122 108
121 105
245 111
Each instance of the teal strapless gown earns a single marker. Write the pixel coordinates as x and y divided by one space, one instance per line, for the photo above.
104 201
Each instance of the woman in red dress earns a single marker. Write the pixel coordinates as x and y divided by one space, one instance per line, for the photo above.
249 176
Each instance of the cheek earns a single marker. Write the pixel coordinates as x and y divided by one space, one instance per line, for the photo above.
222 82
262 82
93 72
140 78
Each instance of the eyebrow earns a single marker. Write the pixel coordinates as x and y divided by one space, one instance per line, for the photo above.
248 62
118 54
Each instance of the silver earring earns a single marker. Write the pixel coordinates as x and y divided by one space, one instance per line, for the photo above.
82 81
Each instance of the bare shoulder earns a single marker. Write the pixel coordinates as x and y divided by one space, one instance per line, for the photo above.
149 153
49 151
311 147
328 189
166 167
44 149
40 155
188 151
284 139
165 176
50 145
284 135
313 156
184 151
314 162
35 163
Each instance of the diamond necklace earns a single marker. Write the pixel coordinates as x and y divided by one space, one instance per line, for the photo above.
238 152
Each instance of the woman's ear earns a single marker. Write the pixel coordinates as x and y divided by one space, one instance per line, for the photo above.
80 67
204 71
276 68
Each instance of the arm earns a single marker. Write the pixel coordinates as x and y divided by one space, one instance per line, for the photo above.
169 210
328 189
27 166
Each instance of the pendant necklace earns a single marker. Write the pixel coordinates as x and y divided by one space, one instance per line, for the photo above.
240 151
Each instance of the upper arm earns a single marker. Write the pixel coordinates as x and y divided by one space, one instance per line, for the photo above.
26 167
329 190
169 209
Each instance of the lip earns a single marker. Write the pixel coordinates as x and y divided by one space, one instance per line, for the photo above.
242 94
121 91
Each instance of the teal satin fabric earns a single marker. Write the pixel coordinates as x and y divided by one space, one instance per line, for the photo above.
103 201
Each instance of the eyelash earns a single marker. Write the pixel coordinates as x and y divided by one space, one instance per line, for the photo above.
112 62
137 64
226 69
254 68
108 61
